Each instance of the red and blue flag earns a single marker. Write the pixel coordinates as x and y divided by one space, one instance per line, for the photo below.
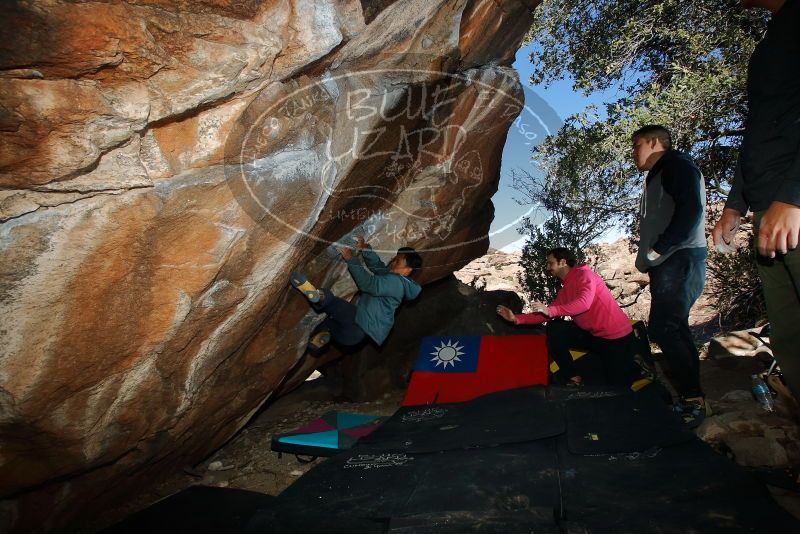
460 368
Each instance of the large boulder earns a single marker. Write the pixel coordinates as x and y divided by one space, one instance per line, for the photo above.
164 166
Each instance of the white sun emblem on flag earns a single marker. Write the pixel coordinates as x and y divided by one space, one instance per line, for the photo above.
447 354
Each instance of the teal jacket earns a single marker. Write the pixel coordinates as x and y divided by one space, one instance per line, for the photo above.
381 294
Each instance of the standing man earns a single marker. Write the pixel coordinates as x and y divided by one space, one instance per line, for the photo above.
672 251
767 178
599 324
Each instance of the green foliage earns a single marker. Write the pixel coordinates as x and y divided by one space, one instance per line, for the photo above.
560 231
734 282
677 63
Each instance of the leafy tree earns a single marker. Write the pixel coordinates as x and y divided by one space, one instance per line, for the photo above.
540 285
736 286
677 63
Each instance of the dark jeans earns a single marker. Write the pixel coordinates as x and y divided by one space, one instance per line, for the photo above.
617 361
674 288
341 320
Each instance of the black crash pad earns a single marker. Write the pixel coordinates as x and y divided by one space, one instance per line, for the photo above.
198 509
564 393
505 522
353 484
498 469
678 489
370 491
627 422
513 416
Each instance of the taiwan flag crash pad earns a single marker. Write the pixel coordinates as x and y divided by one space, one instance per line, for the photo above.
331 433
461 368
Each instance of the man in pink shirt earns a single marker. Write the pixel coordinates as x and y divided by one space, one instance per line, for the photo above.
598 323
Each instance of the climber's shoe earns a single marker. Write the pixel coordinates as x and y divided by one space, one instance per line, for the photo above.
300 282
318 341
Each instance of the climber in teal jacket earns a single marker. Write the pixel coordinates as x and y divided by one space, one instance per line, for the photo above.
383 288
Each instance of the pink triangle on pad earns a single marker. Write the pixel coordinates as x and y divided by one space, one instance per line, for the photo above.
317 425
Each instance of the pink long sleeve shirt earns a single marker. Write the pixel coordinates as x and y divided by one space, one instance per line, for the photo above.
585 297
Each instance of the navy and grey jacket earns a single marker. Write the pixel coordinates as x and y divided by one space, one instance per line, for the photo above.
769 158
672 212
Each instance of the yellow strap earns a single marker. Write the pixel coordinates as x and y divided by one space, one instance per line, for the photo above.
578 354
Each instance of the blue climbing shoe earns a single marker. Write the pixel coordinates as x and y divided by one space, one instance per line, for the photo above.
300 282
318 341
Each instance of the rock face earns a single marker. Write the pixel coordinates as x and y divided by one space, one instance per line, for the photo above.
165 164
740 427
739 343
494 271
750 435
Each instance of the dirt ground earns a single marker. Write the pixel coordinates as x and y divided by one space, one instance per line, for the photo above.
247 460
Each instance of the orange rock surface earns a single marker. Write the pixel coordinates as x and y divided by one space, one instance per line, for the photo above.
164 165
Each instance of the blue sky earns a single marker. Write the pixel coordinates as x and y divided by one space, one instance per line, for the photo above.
543 107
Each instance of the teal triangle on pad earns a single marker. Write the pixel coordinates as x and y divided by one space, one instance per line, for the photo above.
350 420
329 439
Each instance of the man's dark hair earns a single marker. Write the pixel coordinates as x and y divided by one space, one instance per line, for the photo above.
654 130
413 259
561 253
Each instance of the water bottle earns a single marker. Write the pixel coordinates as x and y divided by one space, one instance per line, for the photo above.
762 394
